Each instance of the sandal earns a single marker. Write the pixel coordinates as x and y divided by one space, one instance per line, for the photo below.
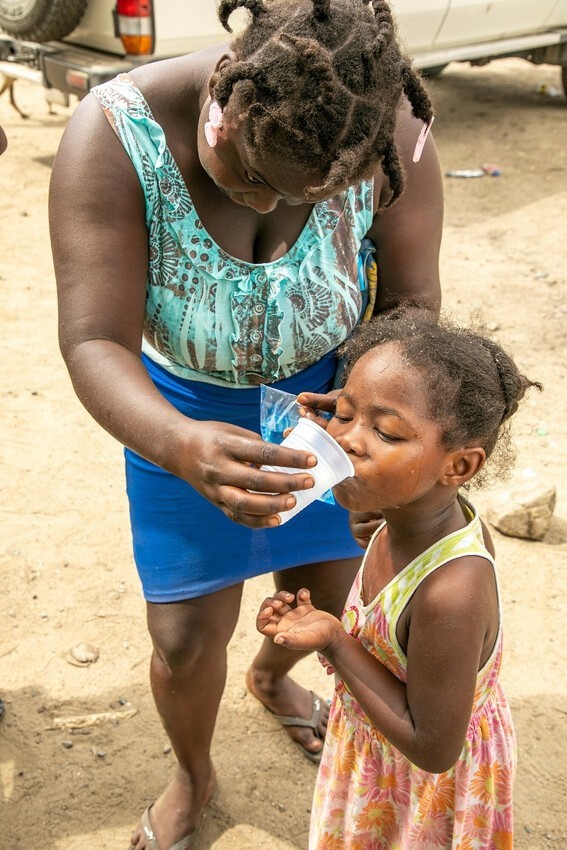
313 723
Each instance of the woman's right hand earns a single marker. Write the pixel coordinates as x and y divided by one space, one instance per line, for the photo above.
223 463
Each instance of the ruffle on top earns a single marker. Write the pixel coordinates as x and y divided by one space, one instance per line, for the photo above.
212 317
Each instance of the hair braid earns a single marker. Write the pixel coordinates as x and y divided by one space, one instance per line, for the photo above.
227 7
237 72
384 20
416 94
513 385
393 171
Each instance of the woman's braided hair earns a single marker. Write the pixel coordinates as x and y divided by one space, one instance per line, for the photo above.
474 386
321 82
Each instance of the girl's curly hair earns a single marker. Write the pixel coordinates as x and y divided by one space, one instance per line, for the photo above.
474 386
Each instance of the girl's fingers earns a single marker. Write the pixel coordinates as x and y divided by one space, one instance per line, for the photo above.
304 596
284 596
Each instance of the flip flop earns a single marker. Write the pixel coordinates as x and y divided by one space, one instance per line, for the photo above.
148 830
313 723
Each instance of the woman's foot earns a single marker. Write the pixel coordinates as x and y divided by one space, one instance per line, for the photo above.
176 813
285 698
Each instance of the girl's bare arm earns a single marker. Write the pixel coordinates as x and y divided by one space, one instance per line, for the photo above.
427 719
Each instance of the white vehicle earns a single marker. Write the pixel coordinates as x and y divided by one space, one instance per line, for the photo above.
69 46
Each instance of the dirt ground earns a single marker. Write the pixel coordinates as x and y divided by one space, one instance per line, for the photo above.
65 564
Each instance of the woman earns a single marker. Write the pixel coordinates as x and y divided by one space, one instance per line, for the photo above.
206 215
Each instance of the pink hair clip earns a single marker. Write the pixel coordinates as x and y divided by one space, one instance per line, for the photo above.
214 123
422 139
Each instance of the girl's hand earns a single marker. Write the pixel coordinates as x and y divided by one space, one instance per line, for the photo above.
302 628
271 612
363 525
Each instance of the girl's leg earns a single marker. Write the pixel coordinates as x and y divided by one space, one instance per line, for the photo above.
267 678
188 673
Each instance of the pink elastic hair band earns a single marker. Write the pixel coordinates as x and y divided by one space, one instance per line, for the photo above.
422 138
214 123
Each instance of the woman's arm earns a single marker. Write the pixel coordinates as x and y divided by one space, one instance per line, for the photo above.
100 250
408 234
427 719
408 240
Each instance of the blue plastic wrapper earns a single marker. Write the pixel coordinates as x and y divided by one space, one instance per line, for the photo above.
279 411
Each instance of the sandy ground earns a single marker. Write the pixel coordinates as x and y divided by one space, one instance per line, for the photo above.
65 564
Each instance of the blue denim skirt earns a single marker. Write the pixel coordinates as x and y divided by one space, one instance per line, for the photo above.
184 546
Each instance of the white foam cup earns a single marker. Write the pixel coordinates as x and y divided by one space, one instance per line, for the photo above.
333 464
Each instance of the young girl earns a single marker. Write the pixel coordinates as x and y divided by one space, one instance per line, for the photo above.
420 750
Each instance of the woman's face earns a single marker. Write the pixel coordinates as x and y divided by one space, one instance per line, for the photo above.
246 178
382 421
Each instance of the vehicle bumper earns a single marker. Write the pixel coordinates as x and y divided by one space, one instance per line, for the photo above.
57 66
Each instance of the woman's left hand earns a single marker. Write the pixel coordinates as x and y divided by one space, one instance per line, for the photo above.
363 525
316 404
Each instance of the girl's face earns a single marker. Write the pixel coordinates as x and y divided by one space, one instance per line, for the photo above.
246 178
382 421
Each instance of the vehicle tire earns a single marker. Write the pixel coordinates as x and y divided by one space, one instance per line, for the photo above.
40 20
434 71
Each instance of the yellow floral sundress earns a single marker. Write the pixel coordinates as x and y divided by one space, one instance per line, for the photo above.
369 796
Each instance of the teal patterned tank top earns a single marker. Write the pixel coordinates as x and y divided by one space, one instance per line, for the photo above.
212 317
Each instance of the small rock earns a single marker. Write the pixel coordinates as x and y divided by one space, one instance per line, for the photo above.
82 655
523 510
67 744
98 753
